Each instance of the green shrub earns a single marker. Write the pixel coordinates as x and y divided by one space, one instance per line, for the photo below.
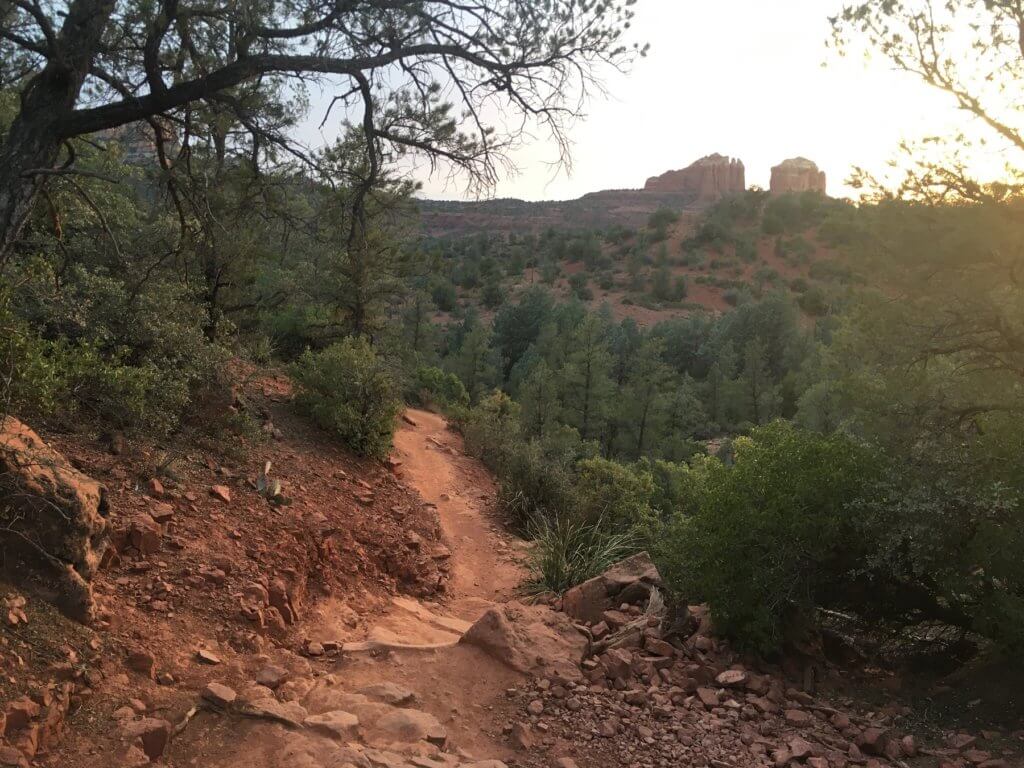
773 536
567 551
95 352
432 386
616 494
350 392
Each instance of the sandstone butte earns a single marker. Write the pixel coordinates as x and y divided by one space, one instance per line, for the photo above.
708 179
797 174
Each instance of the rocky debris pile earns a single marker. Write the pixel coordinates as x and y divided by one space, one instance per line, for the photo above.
52 516
707 180
798 174
660 690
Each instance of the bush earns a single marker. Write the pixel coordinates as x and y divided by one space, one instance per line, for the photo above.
93 351
350 392
617 495
568 551
773 537
433 386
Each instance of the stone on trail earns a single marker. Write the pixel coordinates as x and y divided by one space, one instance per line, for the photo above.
219 694
530 639
338 725
271 676
411 725
389 693
290 714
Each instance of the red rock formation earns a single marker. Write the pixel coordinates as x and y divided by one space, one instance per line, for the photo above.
709 179
797 174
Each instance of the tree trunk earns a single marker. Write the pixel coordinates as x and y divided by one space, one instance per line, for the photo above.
34 139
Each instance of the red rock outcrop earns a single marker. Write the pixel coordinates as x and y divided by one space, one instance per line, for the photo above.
52 514
797 174
709 179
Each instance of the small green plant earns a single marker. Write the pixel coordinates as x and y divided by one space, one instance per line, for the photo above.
568 551
348 390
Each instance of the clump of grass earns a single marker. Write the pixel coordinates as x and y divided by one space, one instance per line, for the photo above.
567 551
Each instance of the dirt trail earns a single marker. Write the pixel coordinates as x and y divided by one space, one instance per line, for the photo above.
434 464
485 563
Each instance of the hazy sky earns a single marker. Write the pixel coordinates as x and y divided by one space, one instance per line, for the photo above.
752 79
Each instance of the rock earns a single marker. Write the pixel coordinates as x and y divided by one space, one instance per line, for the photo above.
618 663
535 707
289 713
706 180
660 648
271 676
589 601
219 694
9 756
908 744
221 492
708 697
389 693
343 726
153 734
143 662
797 174
144 534
156 488
732 678
872 741
280 598
523 737
529 639
162 513
563 762
799 748
412 725
798 718
314 649
46 499
134 757
204 656
639 567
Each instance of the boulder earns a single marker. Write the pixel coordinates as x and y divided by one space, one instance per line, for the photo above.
530 639
628 581
56 516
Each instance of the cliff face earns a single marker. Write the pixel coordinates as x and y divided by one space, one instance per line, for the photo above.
709 179
797 174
